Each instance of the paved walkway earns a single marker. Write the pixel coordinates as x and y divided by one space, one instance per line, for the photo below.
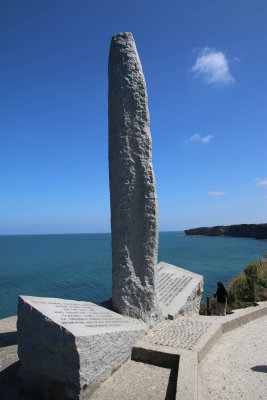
181 333
236 367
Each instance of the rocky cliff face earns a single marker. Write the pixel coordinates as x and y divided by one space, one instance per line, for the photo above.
256 231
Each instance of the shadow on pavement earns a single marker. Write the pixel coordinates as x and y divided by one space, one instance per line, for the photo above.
260 368
9 385
8 339
171 389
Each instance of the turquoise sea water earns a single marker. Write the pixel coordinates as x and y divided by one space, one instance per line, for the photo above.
79 266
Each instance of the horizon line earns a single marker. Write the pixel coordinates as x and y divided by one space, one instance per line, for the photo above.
74 233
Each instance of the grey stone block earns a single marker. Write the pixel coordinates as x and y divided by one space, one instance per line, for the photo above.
179 290
133 198
67 347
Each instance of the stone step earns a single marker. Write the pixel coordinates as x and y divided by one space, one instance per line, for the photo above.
139 381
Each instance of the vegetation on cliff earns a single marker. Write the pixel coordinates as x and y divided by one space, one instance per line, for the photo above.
240 289
256 231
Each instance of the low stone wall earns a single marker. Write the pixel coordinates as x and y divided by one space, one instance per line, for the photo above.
188 366
188 340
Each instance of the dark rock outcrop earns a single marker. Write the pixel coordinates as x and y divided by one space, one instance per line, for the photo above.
256 231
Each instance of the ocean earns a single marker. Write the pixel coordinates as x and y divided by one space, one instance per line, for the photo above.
78 266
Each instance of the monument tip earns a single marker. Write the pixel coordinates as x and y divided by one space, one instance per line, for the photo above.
122 35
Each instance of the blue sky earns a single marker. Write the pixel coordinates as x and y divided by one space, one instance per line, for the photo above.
205 68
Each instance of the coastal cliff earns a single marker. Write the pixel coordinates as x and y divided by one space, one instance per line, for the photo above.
256 231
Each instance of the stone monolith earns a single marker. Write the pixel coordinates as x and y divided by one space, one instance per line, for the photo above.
134 213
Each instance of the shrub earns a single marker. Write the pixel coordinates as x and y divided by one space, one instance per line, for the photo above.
239 289
252 269
263 281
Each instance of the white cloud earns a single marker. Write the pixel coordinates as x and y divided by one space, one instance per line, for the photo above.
198 138
261 181
212 66
206 139
217 193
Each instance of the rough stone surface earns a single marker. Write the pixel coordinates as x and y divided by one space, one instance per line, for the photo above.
134 214
179 290
180 333
66 347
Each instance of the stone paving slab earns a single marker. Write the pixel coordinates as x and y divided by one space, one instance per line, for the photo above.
136 380
195 333
183 333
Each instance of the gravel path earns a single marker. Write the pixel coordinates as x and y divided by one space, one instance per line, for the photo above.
236 367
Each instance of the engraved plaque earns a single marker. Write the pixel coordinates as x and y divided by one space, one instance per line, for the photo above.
80 317
178 290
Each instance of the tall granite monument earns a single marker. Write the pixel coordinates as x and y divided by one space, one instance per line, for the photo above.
133 198
66 348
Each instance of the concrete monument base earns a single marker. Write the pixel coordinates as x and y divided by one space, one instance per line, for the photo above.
67 347
179 291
